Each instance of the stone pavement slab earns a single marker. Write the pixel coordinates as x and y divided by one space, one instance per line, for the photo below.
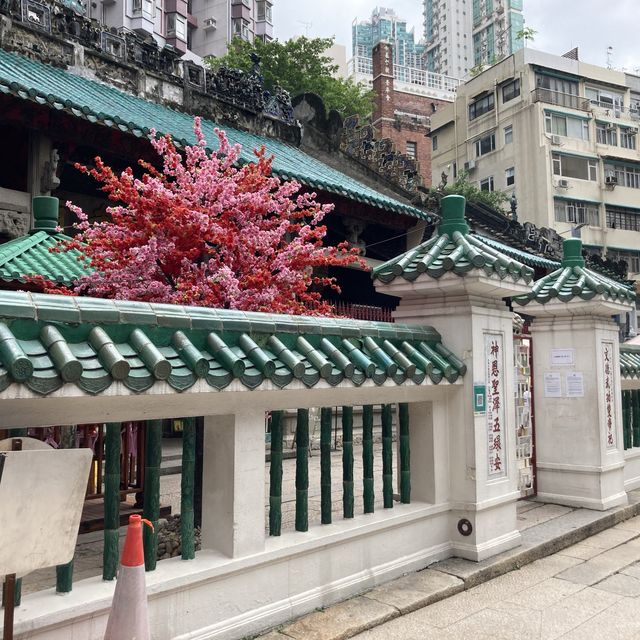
620 583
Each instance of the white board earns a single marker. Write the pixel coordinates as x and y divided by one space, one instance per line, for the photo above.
41 498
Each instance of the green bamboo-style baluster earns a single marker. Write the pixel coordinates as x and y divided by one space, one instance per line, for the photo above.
405 453
636 418
302 470
152 462
367 458
387 456
111 500
187 481
64 577
325 465
626 417
347 462
275 475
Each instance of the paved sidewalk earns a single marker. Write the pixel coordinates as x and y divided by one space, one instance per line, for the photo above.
520 593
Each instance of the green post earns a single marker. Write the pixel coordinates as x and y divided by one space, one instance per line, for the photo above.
405 453
152 461
347 462
626 418
187 482
64 577
302 470
111 500
275 475
636 418
325 465
387 456
367 458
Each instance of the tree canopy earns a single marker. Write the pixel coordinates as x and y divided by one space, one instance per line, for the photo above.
202 229
300 65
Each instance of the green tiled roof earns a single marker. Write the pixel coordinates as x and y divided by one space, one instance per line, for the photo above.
452 249
47 341
630 361
530 259
31 256
103 104
574 280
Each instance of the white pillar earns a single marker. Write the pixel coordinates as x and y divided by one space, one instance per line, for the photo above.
233 484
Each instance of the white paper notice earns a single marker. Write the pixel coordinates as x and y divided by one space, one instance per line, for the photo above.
552 385
575 385
563 356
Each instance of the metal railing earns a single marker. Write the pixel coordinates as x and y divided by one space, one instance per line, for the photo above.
540 94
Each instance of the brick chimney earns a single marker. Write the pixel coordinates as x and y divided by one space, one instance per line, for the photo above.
383 83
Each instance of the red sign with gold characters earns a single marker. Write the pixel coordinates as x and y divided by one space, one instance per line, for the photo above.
496 446
609 394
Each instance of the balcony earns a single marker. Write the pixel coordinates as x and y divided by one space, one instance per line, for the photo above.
559 99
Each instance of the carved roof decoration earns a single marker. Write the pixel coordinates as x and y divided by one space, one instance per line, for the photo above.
453 249
105 105
49 341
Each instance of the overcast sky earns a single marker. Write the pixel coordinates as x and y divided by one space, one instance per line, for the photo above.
591 25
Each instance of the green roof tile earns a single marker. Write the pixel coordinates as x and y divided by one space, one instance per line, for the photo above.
630 361
453 249
68 340
91 100
574 280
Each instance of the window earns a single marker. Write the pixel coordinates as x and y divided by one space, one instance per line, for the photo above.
565 125
485 145
606 133
142 7
575 167
412 149
264 11
241 28
576 212
176 26
560 85
628 137
626 175
632 258
434 143
623 218
481 106
486 184
510 176
511 90
508 134
604 98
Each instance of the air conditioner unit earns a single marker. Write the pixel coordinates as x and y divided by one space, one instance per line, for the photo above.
210 23
556 140
470 165
613 180
563 183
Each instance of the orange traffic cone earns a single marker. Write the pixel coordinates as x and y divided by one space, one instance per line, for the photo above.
128 618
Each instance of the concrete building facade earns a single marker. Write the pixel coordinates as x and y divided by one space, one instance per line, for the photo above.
559 134
461 35
196 28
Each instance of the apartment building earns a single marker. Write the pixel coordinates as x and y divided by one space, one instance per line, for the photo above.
385 25
195 28
562 136
463 34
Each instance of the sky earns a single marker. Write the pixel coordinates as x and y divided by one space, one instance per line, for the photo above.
591 25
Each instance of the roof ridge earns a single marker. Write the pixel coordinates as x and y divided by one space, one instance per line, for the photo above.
16 247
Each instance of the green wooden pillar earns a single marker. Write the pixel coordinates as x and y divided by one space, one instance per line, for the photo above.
187 481
325 465
152 462
387 456
367 458
347 462
111 500
636 418
626 418
275 475
405 453
64 577
302 470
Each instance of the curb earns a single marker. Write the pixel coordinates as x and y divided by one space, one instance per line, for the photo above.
442 580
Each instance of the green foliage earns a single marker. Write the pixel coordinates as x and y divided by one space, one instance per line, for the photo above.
299 66
526 34
463 187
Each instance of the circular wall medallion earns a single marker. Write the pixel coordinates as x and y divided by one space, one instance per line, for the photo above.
465 527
